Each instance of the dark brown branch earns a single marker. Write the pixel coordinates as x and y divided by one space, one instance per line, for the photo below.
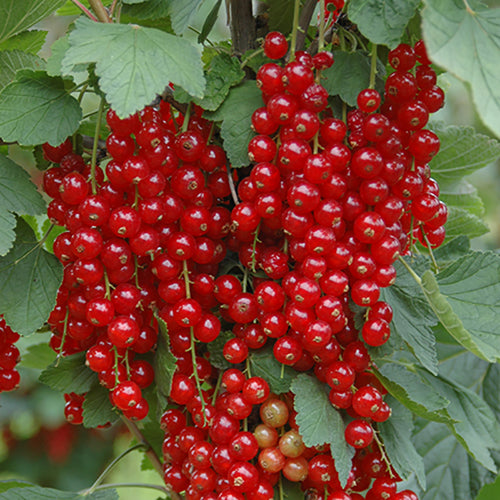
242 25
304 22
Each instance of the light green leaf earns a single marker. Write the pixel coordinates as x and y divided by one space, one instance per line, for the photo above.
413 318
70 9
461 194
319 422
475 426
14 60
164 364
451 473
461 222
134 63
58 51
348 76
264 364
7 234
97 408
396 435
382 23
29 283
19 15
28 41
466 298
413 392
464 38
30 103
236 116
462 152
490 491
69 374
452 250
13 483
223 73
181 13
210 21
38 356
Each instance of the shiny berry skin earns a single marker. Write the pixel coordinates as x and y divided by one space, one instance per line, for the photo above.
359 433
126 395
56 153
368 100
275 45
376 332
243 476
340 376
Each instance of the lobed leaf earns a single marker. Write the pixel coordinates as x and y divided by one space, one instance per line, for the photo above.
97 408
462 222
396 433
29 42
12 61
235 113
319 422
181 13
464 38
134 63
28 104
264 364
69 374
29 283
19 15
382 23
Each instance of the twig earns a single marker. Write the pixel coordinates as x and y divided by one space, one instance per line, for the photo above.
242 25
100 11
85 10
232 188
304 22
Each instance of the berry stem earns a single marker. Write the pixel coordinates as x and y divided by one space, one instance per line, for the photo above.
85 10
63 339
187 116
232 187
100 11
295 28
150 453
373 66
93 161
250 57
431 253
414 275
254 246
99 480
217 387
321 34
382 453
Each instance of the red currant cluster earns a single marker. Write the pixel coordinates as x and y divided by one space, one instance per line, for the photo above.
141 240
9 357
324 213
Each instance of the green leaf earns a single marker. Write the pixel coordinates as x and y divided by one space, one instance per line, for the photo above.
97 408
31 102
464 39
451 473
134 63
149 9
413 392
181 13
19 15
215 350
490 491
348 76
38 356
164 364
452 250
70 9
58 51
462 152
466 298
461 222
280 14
17 195
475 426
413 317
29 283
461 194
396 433
28 41
223 73
382 23
69 374
236 116
7 234
264 364
210 21
32 492
291 491
13 483
13 60
320 423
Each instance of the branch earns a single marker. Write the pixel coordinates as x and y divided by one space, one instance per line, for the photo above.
150 453
242 26
100 11
304 22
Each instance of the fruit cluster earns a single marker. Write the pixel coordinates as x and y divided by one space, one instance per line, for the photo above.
9 357
317 224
